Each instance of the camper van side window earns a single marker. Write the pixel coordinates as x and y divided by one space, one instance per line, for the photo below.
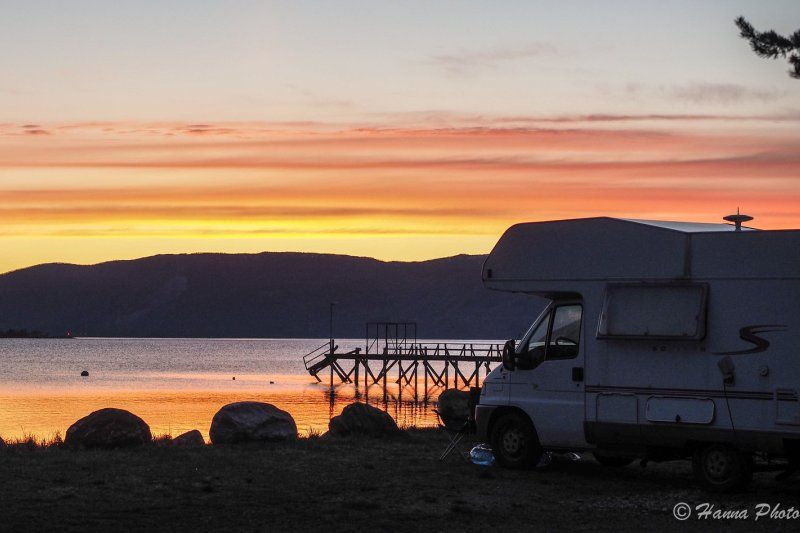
654 311
565 333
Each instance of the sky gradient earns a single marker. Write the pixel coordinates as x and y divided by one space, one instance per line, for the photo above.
396 130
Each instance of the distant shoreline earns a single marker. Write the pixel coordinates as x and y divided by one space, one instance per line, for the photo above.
25 334
320 339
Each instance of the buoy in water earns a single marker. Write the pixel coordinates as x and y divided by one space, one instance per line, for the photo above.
234 378
85 374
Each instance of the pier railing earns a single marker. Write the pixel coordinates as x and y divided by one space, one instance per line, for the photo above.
448 350
316 356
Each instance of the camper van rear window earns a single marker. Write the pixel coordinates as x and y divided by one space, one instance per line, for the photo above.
653 311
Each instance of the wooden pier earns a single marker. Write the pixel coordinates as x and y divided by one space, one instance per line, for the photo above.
393 346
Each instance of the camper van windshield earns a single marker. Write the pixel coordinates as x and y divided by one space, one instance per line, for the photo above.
556 335
537 342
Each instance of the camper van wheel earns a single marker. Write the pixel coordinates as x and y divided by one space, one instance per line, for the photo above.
514 442
722 468
612 460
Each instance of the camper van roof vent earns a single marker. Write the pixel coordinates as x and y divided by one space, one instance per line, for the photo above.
738 219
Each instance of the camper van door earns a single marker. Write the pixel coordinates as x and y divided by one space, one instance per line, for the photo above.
548 381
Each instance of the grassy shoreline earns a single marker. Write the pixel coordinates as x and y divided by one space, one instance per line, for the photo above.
348 484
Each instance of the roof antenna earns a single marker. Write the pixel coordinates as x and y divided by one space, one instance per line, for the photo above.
738 219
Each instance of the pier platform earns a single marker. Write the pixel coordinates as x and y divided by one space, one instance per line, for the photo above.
393 346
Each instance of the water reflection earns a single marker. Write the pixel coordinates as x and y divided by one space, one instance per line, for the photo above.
177 385
44 413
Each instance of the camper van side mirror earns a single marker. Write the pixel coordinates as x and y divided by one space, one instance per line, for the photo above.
509 352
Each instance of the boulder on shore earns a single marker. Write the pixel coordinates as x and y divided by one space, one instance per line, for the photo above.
108 428
190 439
454 407
251 421
359 419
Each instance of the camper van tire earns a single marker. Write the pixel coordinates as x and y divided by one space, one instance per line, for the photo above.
722 468
612 460
515 442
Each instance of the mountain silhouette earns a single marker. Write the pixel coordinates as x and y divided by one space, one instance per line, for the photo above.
260 295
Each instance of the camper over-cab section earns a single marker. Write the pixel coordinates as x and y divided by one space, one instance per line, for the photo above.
533 256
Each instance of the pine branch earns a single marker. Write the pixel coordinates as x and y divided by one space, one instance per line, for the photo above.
771 44
794 59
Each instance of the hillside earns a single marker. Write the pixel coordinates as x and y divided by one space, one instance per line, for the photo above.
259 295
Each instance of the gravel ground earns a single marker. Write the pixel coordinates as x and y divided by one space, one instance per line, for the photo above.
354 485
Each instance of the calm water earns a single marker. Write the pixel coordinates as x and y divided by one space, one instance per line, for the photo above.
177 385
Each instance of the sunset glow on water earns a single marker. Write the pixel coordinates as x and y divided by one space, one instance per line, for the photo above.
42 392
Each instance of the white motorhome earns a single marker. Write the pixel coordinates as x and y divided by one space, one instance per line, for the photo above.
661 340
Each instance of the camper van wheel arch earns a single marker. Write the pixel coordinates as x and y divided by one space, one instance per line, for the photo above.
514 440
721 467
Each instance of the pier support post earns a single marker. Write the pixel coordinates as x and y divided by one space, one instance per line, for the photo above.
384 372
425 378
416 381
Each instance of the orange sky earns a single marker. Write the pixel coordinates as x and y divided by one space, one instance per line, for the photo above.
86 192
397 130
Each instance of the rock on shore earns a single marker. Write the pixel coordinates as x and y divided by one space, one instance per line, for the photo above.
108 428
251 421
190 439
362 419
454 406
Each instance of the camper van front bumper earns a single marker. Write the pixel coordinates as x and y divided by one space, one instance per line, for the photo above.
483 414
